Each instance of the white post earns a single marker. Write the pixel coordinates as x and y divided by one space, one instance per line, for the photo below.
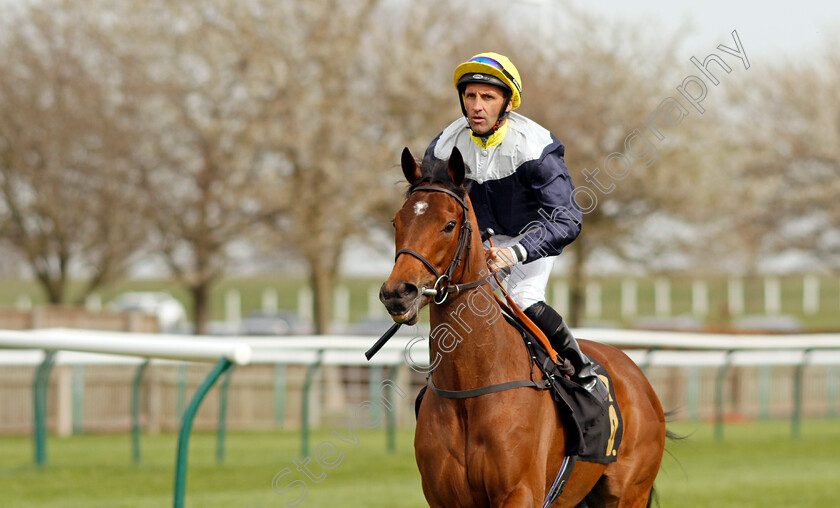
305 304
375 307
64 396
233 307
24 302
341 313
810 294
735 296
699 298
269 300
772 295
93 303
629 298
662 296
560 297
593 300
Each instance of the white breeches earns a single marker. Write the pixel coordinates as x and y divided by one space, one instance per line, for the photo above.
527 281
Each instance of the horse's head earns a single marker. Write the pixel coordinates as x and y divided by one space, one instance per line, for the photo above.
433 236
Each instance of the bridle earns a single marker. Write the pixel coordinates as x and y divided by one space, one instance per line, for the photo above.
441 291
442 287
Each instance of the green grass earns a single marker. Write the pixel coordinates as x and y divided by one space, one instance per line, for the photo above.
94 471
756 465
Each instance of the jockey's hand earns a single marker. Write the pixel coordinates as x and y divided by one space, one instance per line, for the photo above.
500 257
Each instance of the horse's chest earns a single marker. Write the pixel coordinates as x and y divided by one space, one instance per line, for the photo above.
466 459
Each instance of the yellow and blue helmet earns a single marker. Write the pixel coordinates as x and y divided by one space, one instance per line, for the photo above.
493 65
490 69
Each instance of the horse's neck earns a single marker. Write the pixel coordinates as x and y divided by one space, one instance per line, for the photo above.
472 340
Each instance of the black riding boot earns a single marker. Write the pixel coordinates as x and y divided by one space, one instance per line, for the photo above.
562 340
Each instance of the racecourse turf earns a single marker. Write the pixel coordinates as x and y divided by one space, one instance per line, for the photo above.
756 464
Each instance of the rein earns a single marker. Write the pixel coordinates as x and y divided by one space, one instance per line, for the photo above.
442 289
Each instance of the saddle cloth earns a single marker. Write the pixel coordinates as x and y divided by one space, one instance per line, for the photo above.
594 428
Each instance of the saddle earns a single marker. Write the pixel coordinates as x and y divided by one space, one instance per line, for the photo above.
594 428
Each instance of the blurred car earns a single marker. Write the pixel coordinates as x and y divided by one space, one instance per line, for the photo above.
170 312
272 323
770 324
682 322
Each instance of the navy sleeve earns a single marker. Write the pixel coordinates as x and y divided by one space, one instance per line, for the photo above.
559 221
430 150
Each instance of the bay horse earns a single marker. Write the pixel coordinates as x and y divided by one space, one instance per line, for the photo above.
500 449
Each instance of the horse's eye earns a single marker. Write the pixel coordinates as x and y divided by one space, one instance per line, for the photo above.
450 227
393 223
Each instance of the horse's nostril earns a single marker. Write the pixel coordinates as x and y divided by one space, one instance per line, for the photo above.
400 295
407 290
384 293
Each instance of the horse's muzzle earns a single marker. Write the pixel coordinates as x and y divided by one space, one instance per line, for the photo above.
402 301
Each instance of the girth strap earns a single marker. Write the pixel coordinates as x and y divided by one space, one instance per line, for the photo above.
484 390
560 482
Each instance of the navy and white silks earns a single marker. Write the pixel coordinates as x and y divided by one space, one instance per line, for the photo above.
521 188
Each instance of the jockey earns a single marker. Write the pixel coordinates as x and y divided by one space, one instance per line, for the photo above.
520 189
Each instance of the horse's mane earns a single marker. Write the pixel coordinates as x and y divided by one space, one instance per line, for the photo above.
436 171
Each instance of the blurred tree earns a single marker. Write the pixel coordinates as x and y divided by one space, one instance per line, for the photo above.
788 171
281 122
285 114
593 83
278 113
360 81
198 88
66 202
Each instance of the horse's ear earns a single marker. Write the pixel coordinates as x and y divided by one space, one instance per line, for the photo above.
456 167
409 166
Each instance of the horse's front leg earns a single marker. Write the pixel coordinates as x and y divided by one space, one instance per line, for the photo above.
522 496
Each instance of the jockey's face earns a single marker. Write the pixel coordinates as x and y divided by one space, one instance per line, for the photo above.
483 104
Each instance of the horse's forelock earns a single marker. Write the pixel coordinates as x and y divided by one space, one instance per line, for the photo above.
437 172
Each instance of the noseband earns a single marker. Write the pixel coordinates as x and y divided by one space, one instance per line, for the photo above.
442 288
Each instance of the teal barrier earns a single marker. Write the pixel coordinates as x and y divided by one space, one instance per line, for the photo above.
374 380
279 395
391 415
221 430
78 399
135 411
765 389
693 392
719 394
796 415
645 363
307 385
186 427
39 406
